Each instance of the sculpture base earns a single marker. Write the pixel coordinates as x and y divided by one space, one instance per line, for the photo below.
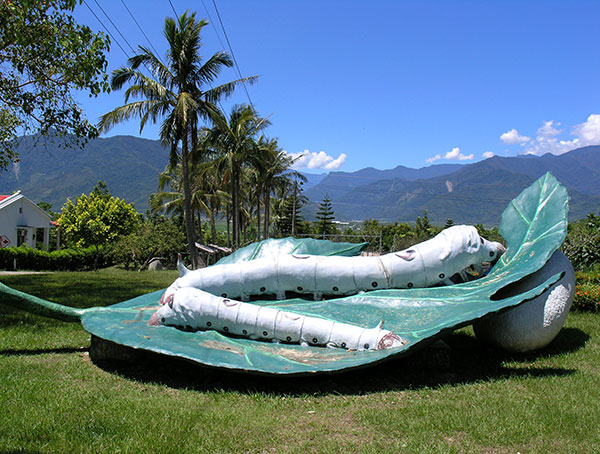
434 357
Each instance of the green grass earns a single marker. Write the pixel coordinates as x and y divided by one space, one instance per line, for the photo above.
54 399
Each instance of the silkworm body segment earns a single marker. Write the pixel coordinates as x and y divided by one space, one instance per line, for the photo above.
423 265
194 309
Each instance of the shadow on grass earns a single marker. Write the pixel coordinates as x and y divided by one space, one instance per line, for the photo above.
41 351
466 361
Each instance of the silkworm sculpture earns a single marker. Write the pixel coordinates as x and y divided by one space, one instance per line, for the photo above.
192 309
430 263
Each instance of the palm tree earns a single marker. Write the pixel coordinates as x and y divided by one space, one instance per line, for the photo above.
273 167
175 92
233 138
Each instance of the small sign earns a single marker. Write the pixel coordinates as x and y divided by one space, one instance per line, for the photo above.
4 241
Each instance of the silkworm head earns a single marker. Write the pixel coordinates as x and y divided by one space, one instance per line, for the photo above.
389 340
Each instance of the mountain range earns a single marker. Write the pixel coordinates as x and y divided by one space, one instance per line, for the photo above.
466 193
470 193
51 172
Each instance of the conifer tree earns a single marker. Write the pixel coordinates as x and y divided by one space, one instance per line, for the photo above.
325 217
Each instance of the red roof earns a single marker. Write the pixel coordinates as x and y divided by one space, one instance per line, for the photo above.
2 197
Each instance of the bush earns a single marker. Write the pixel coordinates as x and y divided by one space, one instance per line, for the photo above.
582 244
64 260
587 293
156 236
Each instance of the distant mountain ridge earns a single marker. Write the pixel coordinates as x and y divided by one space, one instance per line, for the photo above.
128 165
471 193
466 193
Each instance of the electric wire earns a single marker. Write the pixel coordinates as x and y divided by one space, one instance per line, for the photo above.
213 24
142 30
173 8
106 28
232 53
114 25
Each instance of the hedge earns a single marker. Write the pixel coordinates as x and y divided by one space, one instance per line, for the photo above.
27 258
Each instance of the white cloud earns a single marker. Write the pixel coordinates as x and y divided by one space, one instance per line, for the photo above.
546 141
456 155
489 154
320 160
513 137
589 132
548 137
434 158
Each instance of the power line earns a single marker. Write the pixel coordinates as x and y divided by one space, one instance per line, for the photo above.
213 24
173 8
142 30
232 54
106 28
113 24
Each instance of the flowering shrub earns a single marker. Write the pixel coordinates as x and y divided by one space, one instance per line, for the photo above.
587 292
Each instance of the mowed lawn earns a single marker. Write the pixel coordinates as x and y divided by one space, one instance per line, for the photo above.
53 398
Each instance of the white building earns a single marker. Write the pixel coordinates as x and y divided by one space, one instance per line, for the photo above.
23 223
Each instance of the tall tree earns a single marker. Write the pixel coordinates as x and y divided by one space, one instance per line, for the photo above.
274 169
176 92
44 56
97 219
325 217
234 138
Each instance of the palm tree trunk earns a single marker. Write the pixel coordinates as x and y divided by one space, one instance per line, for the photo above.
200 235
267 202
258 193
213 227
187 202
235 199
228 216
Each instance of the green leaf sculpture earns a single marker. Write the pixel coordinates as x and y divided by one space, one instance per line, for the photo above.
534 225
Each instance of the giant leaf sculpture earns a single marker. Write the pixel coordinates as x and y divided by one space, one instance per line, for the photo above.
533 225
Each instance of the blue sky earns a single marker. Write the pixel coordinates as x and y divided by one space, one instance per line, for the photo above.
354 84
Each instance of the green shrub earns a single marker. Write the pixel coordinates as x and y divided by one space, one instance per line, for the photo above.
26 258
587 293
587 297
157 236
582 244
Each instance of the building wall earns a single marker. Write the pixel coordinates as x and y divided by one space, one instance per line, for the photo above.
22 214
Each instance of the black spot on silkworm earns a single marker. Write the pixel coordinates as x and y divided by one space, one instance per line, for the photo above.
208 324
410 285
442 275
224 295
226 300
343 345
491 253
481 240
263 289
265 333
288 339
374 284
225 329
299 289
335 289
162 320
366 346
244 332
315 340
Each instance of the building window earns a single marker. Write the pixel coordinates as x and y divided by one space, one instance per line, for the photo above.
21 237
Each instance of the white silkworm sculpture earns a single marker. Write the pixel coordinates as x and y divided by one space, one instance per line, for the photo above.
194 309
424 265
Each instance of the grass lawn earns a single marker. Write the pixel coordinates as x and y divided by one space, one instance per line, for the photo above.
54 399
